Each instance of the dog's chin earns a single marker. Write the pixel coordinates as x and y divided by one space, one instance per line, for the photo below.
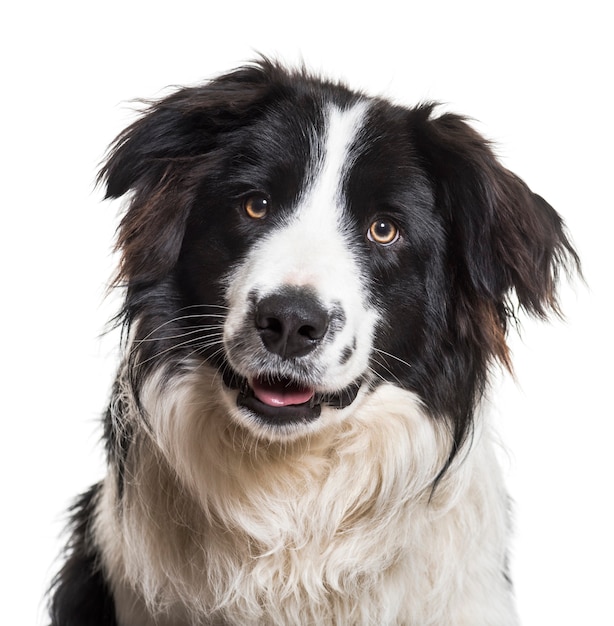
279 407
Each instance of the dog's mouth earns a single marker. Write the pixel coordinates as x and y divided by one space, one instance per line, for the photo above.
278 400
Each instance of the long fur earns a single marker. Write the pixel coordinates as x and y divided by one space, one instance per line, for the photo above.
379 499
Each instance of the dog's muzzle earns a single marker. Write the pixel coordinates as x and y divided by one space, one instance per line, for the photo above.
290 326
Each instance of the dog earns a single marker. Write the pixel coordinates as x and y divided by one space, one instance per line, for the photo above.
317 285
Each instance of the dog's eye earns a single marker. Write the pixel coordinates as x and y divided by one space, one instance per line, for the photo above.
257 206
383 232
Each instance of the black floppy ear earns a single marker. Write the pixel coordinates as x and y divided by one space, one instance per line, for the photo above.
163 157
503 237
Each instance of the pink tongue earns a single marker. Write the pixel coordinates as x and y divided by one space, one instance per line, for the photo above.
281 393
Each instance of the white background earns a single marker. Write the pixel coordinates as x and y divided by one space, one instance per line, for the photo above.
537 77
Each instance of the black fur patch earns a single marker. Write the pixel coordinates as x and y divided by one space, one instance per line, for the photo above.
80 595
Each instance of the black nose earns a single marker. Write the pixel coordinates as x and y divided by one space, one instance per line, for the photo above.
291 323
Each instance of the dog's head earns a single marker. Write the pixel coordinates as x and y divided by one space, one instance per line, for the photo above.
311 243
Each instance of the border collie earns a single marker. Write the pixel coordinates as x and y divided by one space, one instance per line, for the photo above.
317 283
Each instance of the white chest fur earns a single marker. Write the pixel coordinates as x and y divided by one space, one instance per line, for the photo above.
339 529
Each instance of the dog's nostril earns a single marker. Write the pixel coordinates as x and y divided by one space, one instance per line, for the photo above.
269 323
310 332
291 323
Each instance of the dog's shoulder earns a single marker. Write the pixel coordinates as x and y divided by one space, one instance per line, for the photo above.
80 594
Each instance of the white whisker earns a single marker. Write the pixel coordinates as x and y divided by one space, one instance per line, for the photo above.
197 329
392 356
179 319
384 366
211 341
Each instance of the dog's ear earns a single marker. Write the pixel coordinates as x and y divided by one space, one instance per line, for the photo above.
503 237
162 157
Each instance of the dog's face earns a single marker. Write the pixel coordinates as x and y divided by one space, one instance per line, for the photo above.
308 299
311 244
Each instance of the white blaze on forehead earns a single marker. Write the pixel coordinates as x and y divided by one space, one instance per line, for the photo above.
313 243
323 197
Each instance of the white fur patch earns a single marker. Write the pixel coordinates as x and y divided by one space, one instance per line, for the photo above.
338 528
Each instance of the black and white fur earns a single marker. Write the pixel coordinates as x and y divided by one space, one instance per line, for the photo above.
317 283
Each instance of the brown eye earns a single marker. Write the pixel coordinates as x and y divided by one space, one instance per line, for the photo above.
383 232
257 206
